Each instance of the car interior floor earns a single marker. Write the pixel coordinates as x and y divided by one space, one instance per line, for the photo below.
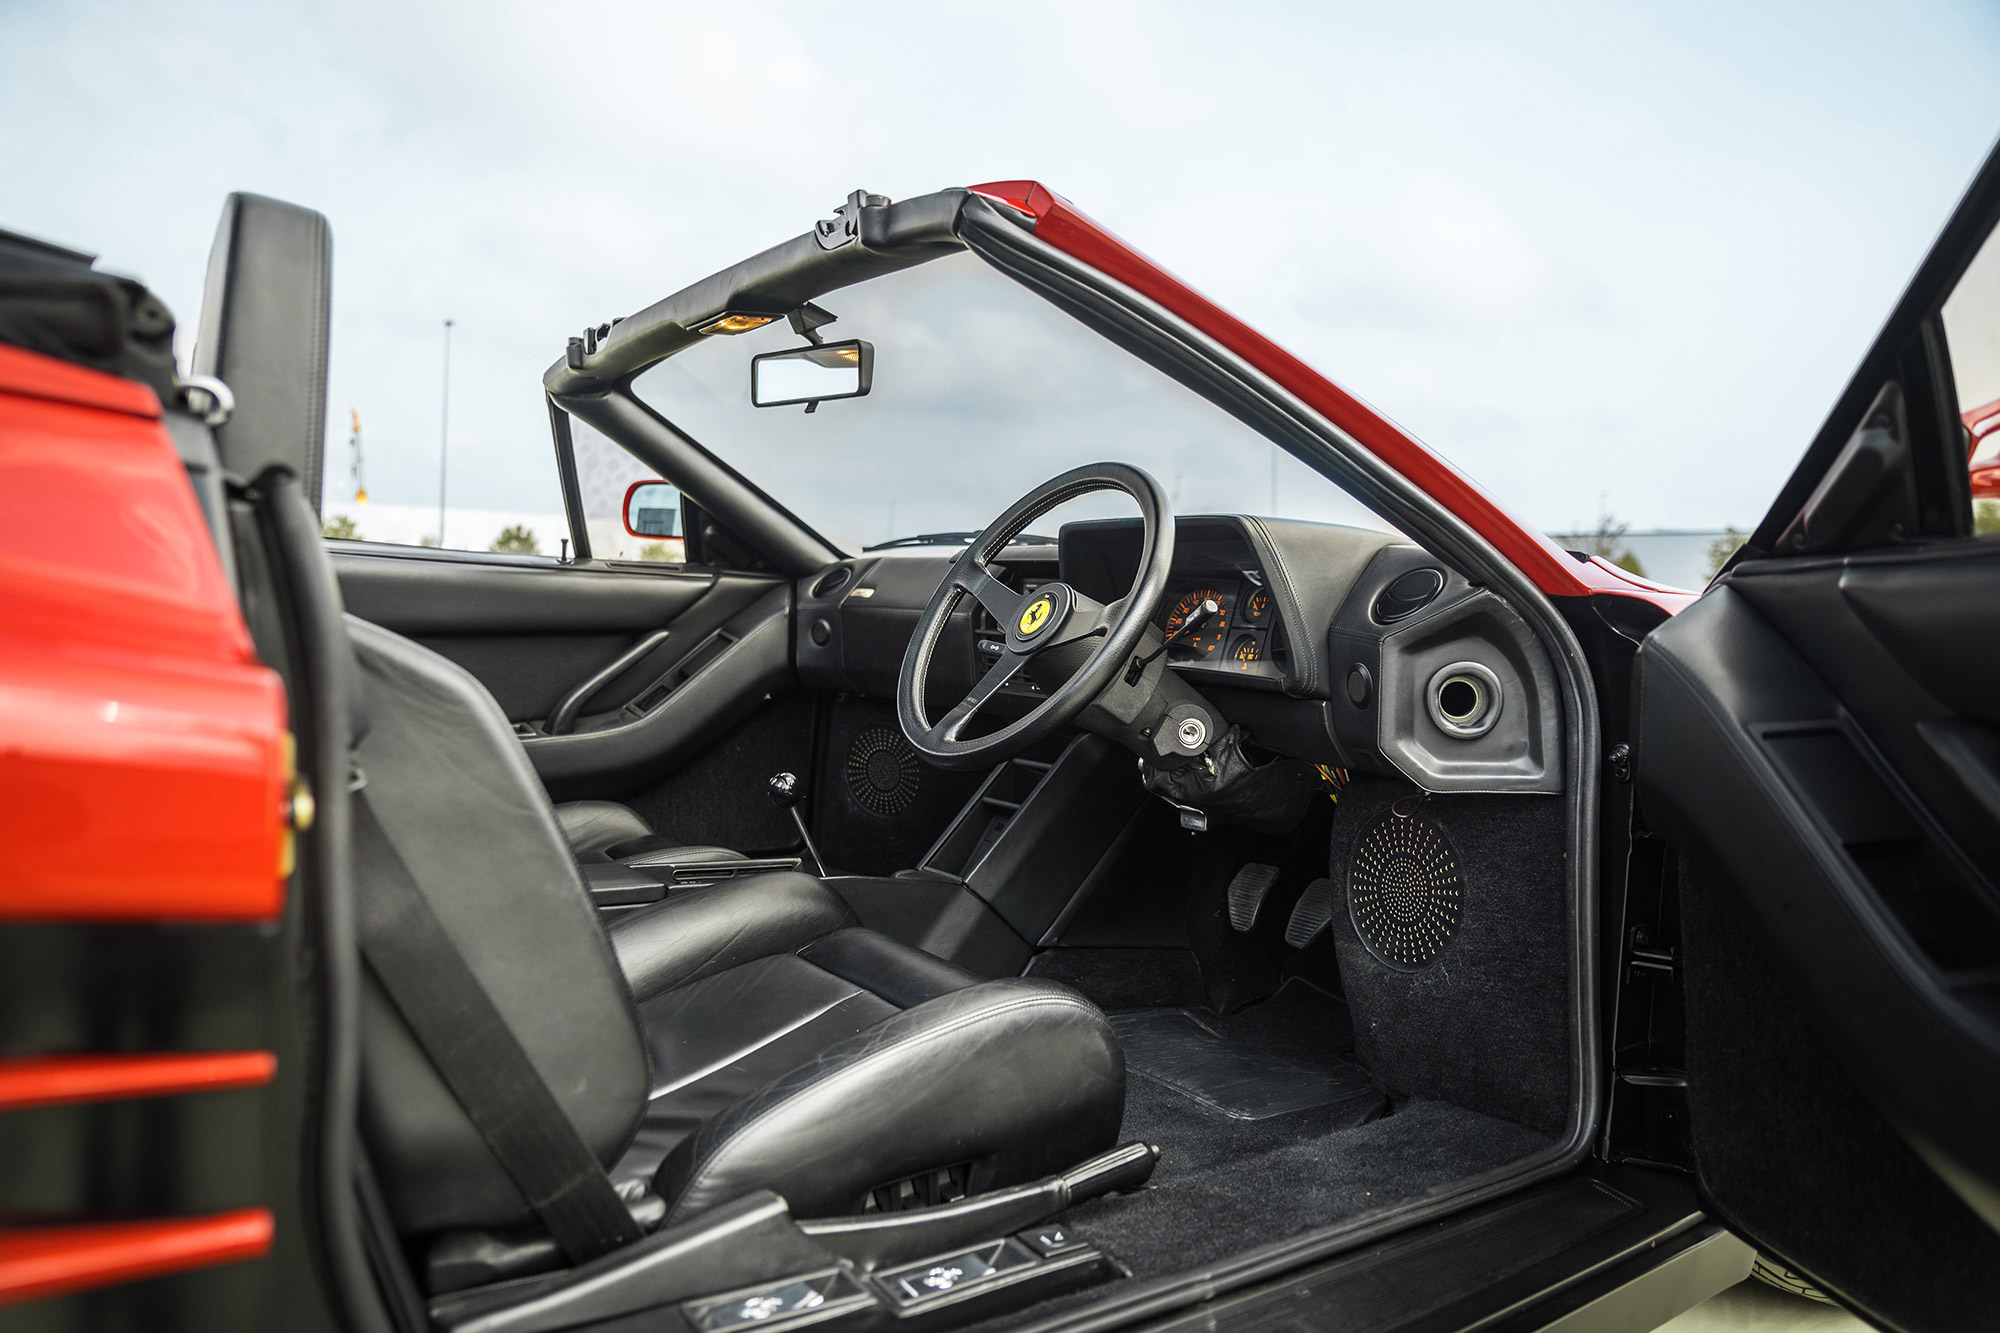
1293 1085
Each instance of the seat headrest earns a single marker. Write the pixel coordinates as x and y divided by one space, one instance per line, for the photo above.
263 332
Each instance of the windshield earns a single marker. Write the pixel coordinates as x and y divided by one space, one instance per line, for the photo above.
981 391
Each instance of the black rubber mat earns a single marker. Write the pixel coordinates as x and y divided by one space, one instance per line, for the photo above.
1173 1047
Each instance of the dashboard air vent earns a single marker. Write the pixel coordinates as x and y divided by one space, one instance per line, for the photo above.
833 580
1409 594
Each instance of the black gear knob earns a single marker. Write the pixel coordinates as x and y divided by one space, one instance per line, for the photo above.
785 794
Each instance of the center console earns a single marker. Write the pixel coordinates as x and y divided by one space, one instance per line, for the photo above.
1011 866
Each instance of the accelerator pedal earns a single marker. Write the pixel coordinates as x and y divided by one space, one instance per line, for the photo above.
1309 917
1246 894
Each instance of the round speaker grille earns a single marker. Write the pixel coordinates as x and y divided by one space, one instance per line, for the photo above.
882 771
1403 890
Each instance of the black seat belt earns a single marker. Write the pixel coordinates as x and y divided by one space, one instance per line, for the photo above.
477 1055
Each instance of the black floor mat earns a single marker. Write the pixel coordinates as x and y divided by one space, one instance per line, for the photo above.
1175 1048
1225 1183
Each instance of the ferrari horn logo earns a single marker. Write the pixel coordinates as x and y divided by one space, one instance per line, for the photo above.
1036 615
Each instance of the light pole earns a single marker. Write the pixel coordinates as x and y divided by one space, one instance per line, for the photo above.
444 428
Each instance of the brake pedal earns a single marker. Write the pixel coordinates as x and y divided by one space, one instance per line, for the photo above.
1309 917
1246 894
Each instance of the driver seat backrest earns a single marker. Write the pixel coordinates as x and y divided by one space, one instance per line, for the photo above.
456 796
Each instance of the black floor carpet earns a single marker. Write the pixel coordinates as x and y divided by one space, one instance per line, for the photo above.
1179 1050
1226 1184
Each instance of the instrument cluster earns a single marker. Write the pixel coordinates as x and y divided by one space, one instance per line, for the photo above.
1223 624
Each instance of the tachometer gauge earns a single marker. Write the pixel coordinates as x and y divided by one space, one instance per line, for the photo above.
1257 607
1246 652
1208 636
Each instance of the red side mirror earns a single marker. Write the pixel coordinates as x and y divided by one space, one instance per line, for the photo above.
653 511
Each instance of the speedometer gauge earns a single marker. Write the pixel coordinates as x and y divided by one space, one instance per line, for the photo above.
1207 637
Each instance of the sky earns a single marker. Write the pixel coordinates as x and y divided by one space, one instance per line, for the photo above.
1595 256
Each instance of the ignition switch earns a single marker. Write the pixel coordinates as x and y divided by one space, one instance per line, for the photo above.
1184 732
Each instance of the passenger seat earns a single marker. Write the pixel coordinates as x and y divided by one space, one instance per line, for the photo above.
602 832
608 831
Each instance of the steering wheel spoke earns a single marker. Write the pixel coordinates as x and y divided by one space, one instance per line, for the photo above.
1086 617
1001 602
951 724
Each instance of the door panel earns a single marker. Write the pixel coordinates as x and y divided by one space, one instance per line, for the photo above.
1782 747
677 704
533 634
1796 1155
453 594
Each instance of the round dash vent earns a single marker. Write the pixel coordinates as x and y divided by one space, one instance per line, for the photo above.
1403 893
882 771
833 581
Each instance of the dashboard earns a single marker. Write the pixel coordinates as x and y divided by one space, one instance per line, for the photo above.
1338 645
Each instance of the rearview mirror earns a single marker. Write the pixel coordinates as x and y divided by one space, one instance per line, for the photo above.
653 511
811 375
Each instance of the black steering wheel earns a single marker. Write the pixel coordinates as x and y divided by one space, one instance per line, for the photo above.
1055 618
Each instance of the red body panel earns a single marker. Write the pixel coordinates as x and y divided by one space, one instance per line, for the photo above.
58 1079
1981 424
29 376
1553 570
144 753
38 1262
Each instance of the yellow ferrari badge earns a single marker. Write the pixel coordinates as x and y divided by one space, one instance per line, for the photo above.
1036 615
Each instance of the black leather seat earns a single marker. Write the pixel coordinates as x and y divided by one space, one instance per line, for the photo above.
732 1038
609 831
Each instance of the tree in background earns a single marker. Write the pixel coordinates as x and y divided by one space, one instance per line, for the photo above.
516 539
1722 548
1986 517
342 527
1609 542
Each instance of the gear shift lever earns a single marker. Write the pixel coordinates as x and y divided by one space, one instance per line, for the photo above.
786 795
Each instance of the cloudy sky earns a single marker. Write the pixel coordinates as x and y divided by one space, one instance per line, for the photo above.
1627 256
